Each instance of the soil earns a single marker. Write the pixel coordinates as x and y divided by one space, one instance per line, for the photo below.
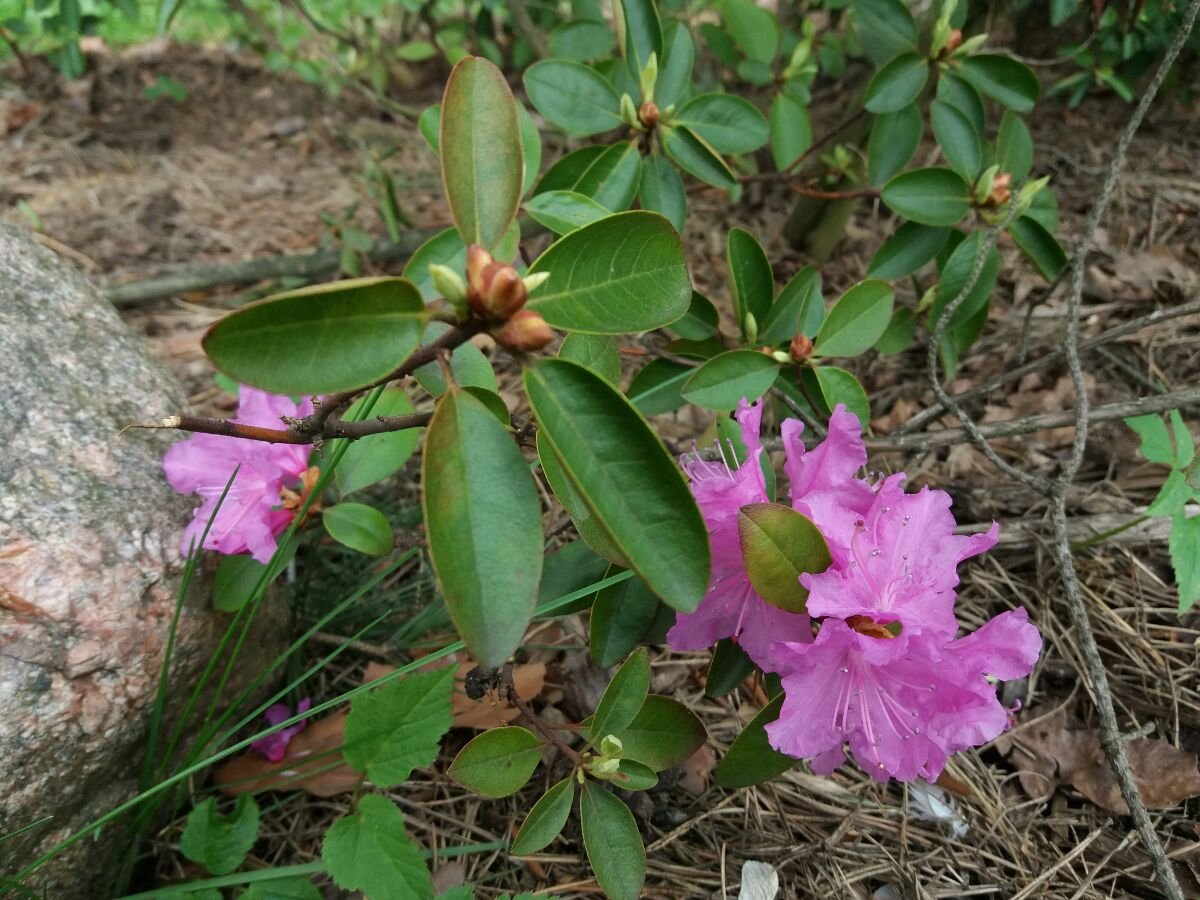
126 187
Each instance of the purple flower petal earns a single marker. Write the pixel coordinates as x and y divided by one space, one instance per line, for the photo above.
274 746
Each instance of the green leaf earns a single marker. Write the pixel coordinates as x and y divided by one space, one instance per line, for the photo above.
1185 447
397 728
894 139
798 308
662 190
856 321
575 98
294 888
791 130
911 247
164 15
609 175
320 339
900 332
359 527
727 123
237 576
622 274
497 762
564 211
531 148
445 248
953 90
370 852
545 820
724 380
468 365
643 33
885 27
1014 146
750 278
217 842
656 388
699 322
621 614
590 529
1184 545
483 166
1173 497
752 28
932 196
696 157
370 460
572 567
954 277
613 844
1007 81
1039 245
623 697
1044 209
634 776
582 40
778 545
429 123
730 666
663 734
484 523
675 74
897 84
599 352
751 758
839 386
957 138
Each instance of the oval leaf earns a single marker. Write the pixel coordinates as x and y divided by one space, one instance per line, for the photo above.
912 246
799 308
726 379
599 352
359 330
370 460
661 190
957 138
730 666
1007 81
613 844
1039 245
727 123
894 139
545 820
655 389
498 762
483 166
643 33
778 544
609 175
839 386
484 522
751 280
695 157
751 758
621 274
791 130
468 365
900 332
897 84
572 96
623 697
589 527
621 614
663 734
359 527
856 321
1014 146
564 211
932 196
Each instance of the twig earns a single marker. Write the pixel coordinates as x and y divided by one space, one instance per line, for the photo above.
535 720
15 50
340 428
818 194
793 169
321 28
531 33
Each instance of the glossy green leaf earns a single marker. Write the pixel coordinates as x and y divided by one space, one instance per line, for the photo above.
675 72
727 123
609 175
220 842
429 123
932 196
663 734
572 96
897 84
484 523
726 379
839 386
962 96
599 352
583 40
483 166
1007 81
625 477
320 339
957 271
911 247
622 274
446 248
642 33
656 387
545 820
621 613
371 459
468 365
799 308
1044 209
531 148
900 332
613 844
623 697
359 527
751 758
791 130
238 575
632 775
696 157
885 27
369 851
856 321
397 728
730 666
751 281
957 139
662 190
1014 146
752 28
497 762
778 545
1039 245
701 350
572 567
590 529
894 139
564 211
699 322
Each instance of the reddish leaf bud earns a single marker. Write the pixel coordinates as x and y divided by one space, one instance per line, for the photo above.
801 348
506 292
648 114
953 42
526 330
1001 190
478 259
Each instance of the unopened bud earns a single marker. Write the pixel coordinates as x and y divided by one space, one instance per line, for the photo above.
750 328
525 331
535 281
971 44
505 293
648 77
648 114
801 348
983 184
478 259
629 112
610 745
602 767
953 42
449 284
1001 191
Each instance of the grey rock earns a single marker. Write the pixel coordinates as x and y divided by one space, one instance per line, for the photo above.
90 566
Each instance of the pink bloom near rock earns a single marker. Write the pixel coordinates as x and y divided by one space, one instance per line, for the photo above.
250 519
274 746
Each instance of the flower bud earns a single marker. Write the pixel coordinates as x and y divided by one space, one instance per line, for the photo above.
478 259
1001 191
629 112
494 290
611 745
449 284
604 766
954 41
648 78
750 327
535 281
801 348
525 331
648 114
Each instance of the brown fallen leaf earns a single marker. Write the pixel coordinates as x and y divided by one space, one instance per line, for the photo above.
1050 752
696 770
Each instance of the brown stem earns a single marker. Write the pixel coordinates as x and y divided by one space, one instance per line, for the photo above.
818 194
339 428
12 46
538 725
793 169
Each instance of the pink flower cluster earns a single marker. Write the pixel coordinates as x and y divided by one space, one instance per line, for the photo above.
252 516
885 673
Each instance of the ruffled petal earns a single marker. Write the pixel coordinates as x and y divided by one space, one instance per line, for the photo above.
1006 646
830 464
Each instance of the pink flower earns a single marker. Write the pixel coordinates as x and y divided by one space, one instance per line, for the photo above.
823 488
904 703
274 745
251 517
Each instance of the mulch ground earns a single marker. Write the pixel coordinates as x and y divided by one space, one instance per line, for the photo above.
126 187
